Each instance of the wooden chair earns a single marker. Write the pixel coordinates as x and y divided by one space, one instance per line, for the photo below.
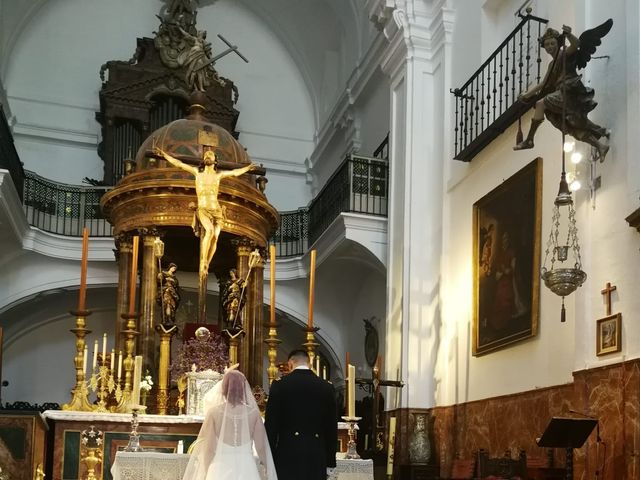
543 468
463 469
502 468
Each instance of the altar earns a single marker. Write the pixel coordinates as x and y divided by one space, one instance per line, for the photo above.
171 466
158 433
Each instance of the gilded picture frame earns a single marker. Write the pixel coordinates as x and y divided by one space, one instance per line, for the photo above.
506 261
609 334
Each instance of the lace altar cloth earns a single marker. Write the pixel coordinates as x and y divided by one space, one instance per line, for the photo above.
171 466
149 466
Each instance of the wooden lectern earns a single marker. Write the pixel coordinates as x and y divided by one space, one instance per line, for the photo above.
567 433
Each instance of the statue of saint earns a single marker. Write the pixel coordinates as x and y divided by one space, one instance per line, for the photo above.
168 293
563 93
233 299
209 215
197 58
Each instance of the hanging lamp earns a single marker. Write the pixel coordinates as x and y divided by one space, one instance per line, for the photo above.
567 275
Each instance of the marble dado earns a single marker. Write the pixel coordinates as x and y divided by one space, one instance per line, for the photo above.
513 422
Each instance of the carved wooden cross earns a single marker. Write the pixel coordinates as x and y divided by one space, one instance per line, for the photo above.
607 295
372 385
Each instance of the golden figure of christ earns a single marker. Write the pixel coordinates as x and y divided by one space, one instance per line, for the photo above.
209 215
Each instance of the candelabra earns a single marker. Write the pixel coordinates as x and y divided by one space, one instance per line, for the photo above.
351 446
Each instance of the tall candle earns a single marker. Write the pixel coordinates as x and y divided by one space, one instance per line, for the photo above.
351 382
317 364
392 441
119 365
272 283
312 281
137 376
95 355
113 359
346 376
83 269
324 373
84 359
104 349
134 276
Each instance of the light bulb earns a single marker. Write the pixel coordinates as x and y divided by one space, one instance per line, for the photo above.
575 185
571 176
568 146
576 157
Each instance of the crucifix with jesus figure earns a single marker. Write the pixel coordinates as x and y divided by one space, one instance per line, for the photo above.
372 386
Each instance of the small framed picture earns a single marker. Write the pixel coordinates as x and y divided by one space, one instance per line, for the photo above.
609 334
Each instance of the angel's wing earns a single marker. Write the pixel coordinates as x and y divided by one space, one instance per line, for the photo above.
589 41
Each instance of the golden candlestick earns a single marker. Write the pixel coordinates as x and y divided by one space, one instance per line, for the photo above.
130 334
272 339
79 400
272 342
311 343
162 399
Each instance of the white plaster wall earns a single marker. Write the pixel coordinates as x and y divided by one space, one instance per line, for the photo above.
609 245
52 81
30 273
39 348
373 110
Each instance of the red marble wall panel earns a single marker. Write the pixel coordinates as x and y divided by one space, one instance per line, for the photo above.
513 422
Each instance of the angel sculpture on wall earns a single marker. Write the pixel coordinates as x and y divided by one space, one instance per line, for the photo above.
562 93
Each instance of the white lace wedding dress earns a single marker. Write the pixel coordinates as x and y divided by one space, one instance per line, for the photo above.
232 443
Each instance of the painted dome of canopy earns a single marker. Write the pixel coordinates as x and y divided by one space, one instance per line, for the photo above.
182 138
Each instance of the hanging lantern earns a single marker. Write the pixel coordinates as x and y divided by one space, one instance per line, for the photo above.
560 279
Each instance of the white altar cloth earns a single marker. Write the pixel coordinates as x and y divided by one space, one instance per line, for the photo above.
171 466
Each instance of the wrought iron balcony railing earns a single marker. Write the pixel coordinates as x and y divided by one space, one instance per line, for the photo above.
488 102
9 159
359 185
64 209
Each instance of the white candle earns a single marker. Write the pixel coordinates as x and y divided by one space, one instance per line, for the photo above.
95 355
137 376
351 382
113 359
119 365
392 441
104 349
84 360
324 373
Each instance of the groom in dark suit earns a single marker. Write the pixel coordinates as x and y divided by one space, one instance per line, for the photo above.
301 422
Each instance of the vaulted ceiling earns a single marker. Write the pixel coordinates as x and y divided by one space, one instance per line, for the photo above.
308 29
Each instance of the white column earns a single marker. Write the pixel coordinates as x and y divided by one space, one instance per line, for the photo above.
414 61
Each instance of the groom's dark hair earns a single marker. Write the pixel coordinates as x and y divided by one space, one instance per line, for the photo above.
299 356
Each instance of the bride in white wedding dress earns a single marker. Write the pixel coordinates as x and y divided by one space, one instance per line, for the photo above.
232 443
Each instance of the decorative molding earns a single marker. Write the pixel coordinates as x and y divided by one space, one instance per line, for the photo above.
68 248
54 135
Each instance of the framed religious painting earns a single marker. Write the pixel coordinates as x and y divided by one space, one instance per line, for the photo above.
609 334
506 261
